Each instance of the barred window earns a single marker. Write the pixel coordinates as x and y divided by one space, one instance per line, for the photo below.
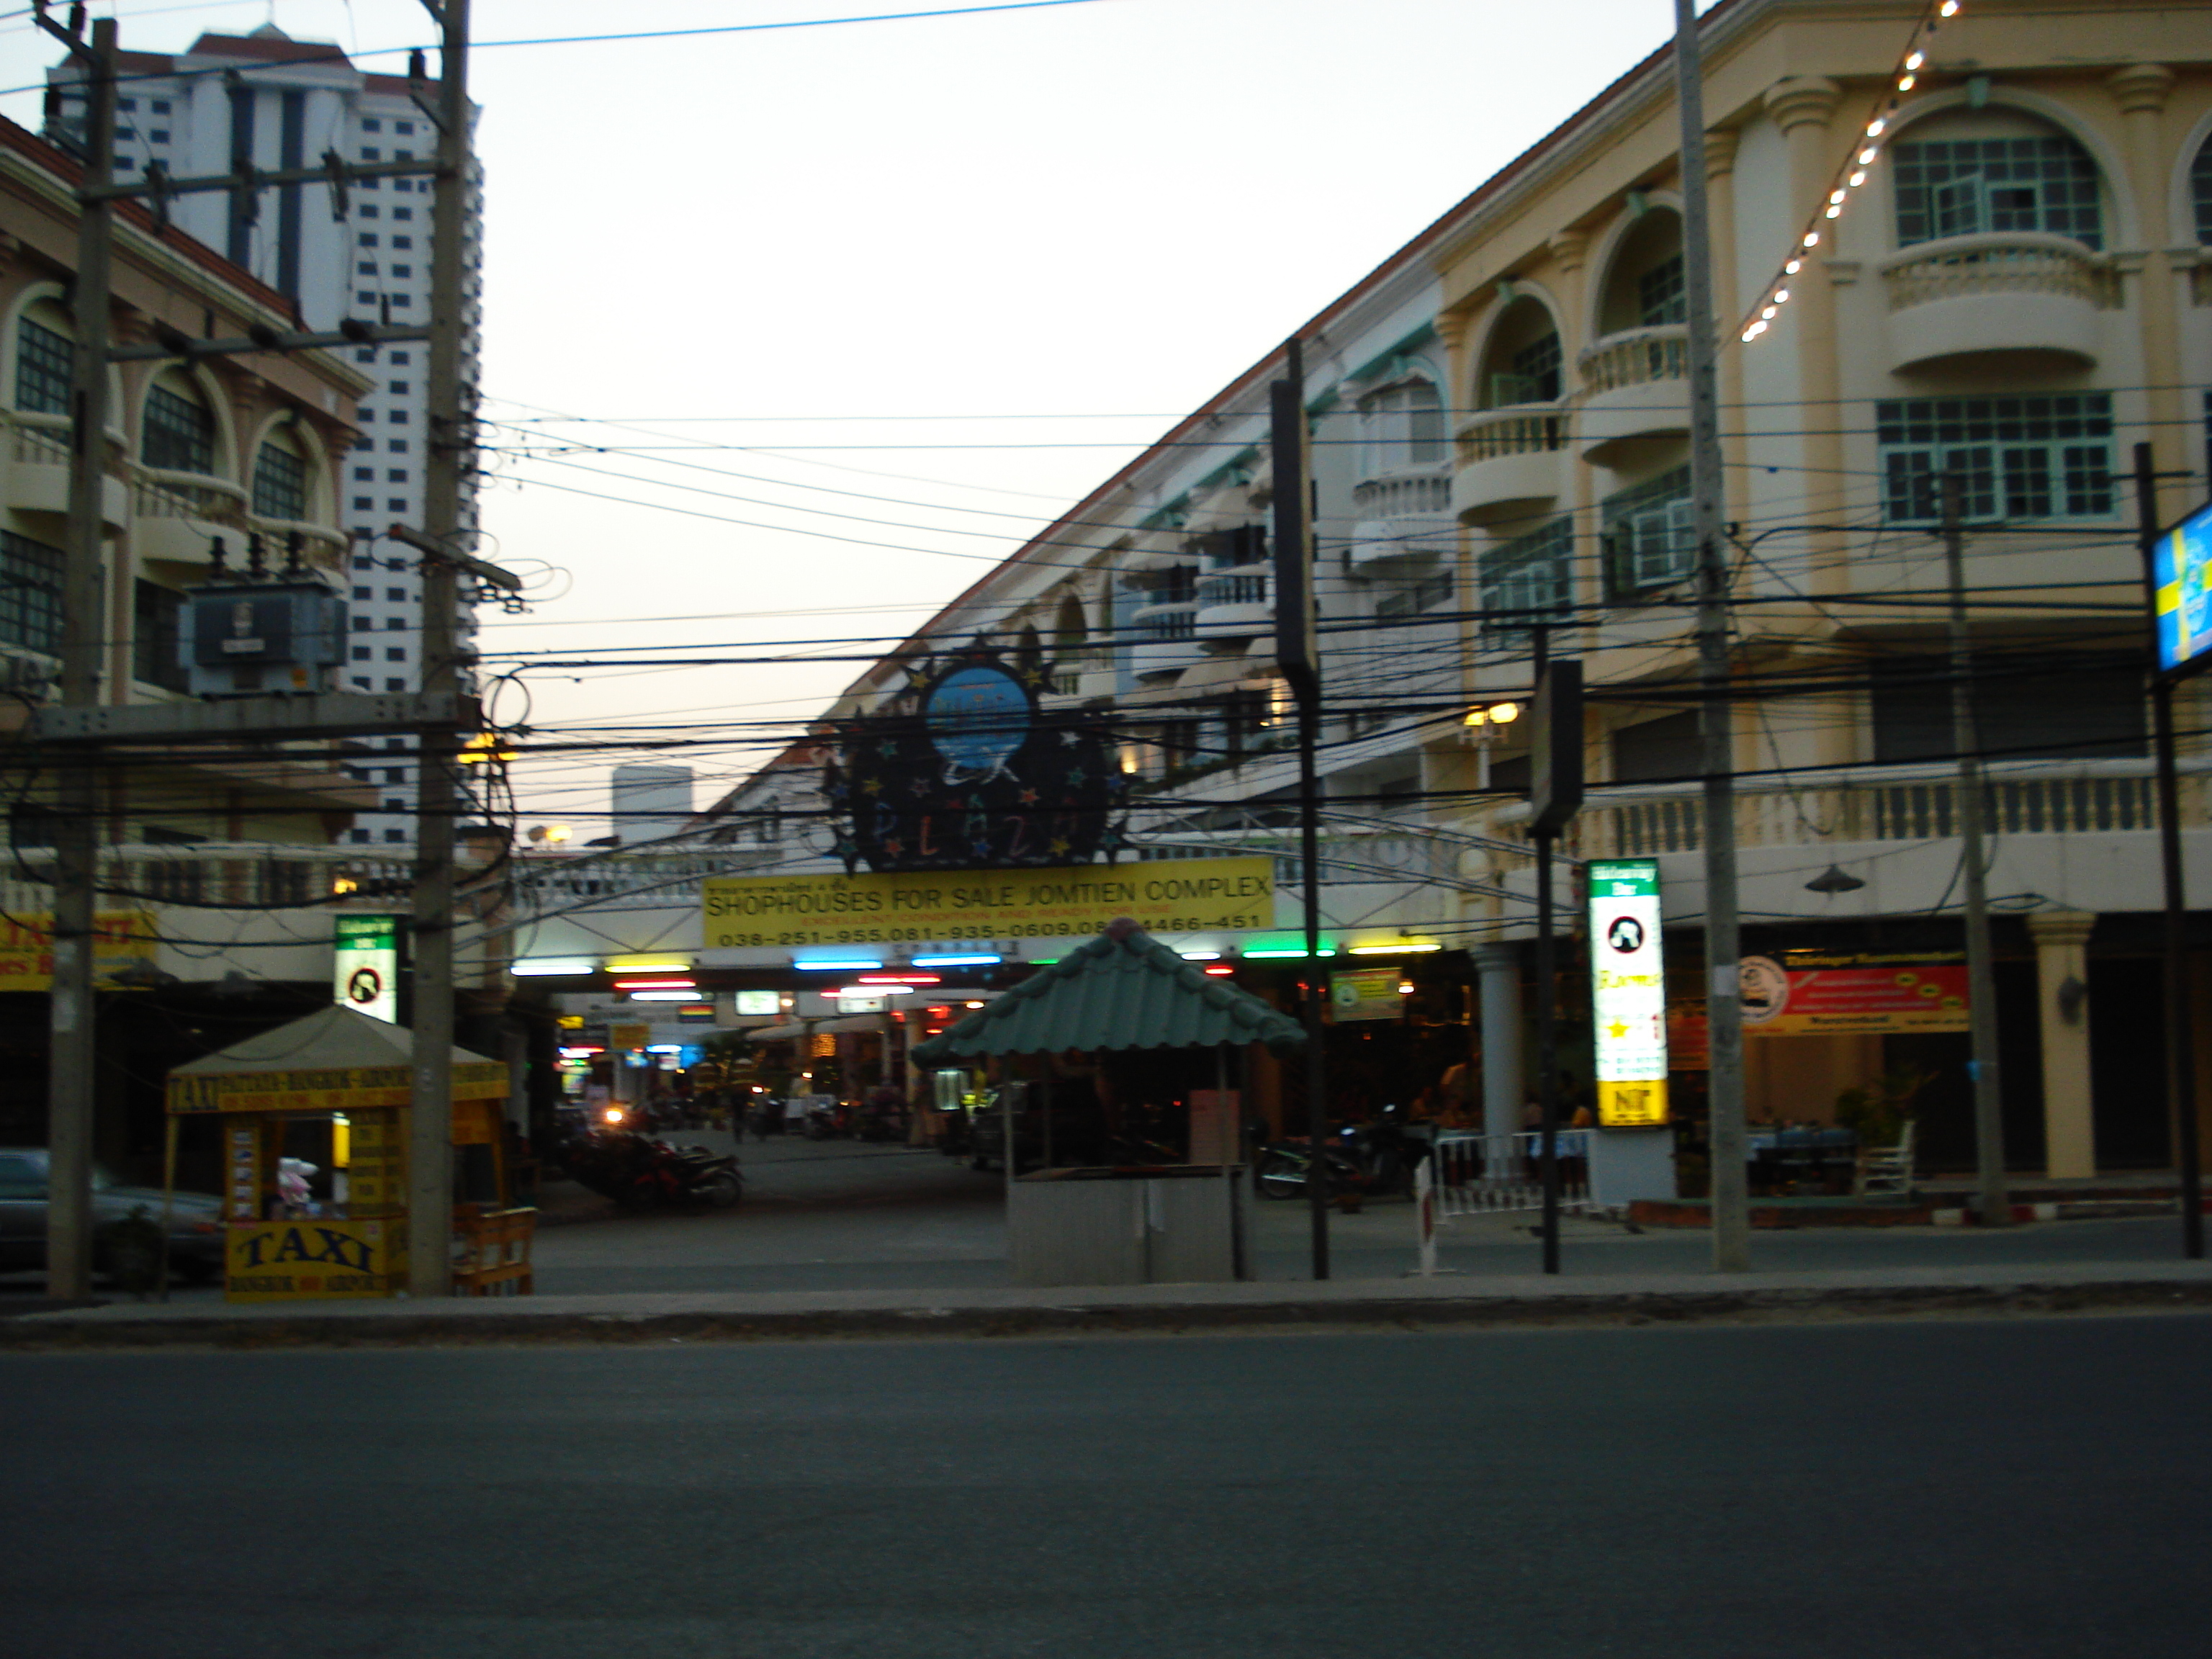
1529 580
2033 457
179 433
1660 295
2200 190
1651 534
1961 186
1424 595
30 592
280 483
1536 375
45 369
1402 425
154 654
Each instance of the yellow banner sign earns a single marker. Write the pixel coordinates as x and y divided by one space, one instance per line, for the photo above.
120 938
342 1088
286 1260
1170 896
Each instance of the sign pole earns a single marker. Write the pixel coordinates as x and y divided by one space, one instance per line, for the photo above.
2180 1039
1555 794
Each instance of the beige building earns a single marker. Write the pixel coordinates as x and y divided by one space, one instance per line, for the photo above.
2012 287
232 856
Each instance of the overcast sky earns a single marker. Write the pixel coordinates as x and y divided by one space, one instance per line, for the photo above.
957 266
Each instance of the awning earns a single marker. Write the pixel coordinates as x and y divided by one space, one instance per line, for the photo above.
1121 990
334 1060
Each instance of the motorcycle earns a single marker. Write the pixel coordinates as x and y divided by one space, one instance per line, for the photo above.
640 1173
1281 1171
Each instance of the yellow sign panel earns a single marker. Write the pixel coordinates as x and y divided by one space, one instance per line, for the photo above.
1631 1105
120 938
1170 896
289 1261
341 1089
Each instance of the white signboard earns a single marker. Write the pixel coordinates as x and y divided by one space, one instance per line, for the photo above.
365 969
1628 989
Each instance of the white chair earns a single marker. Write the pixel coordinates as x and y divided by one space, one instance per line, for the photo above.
1888 1169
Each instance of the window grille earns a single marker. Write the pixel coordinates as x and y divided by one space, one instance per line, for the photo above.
280 484
1424 595
2033 457
1651 534
45 369
2200 190
1660 295
1402 425
179 433
154 655
1529 580
1534 377
30 593
1964 187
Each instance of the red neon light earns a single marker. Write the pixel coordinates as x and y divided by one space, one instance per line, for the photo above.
899 979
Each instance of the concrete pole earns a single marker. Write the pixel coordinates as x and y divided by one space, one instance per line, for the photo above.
1724 951
1498 967
73 1048
451 459
1996 1205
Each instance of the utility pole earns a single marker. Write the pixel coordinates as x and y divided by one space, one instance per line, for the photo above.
451 459
2180 1034
1298 657
1981 967
73 1048
1555 795
1723 942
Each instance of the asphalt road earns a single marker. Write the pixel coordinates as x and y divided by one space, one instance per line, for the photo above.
2028 1488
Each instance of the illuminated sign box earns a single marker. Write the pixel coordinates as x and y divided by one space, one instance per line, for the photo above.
2181 594
1628 993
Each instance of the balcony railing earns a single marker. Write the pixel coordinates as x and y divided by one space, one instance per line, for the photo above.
1669 818
2019 263
1392 498
1636 357
1524 430
219 875
41 447
1233 590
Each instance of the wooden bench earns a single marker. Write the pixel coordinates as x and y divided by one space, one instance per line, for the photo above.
491 1251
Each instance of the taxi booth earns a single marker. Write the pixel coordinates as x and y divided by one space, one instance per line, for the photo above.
350 1078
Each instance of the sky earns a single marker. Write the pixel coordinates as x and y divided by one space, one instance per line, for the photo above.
940 275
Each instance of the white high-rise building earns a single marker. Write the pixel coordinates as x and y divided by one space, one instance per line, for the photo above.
285 103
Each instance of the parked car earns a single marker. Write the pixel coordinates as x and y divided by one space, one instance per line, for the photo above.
195 1218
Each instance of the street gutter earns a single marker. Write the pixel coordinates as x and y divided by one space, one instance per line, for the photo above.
1156 1309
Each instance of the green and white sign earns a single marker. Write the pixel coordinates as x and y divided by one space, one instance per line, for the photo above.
1628 989
365 973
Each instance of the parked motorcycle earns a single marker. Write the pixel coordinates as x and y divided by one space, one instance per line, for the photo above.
1281 1171
640 1173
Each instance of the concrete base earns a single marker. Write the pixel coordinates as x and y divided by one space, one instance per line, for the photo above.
1626 1165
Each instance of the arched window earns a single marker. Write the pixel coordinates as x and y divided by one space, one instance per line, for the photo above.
1070 632
1401 426
46 361
179 429
280 477
1522 362
2200 190
1993 171
1643 288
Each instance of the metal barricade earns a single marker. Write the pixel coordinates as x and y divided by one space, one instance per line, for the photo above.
1470 1174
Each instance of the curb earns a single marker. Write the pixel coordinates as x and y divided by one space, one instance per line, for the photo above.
502 1328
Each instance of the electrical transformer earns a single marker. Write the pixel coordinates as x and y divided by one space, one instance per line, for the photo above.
250 634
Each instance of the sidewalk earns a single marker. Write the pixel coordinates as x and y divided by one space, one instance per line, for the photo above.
1404 1304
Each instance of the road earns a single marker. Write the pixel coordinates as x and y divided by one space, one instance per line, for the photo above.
2028 1488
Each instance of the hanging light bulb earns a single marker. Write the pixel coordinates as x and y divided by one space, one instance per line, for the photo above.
1950 8
1837 195
1812 239
1914 60
1877 126
1904 82
1834 209
1857 178
1781 296
1793 267
1769 312
1867 155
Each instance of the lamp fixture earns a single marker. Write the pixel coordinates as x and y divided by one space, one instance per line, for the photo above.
1835 880
551 967
979 959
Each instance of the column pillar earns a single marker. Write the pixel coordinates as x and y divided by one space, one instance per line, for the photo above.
1498 969
1803 108
2061 988
1728 306
2141 91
